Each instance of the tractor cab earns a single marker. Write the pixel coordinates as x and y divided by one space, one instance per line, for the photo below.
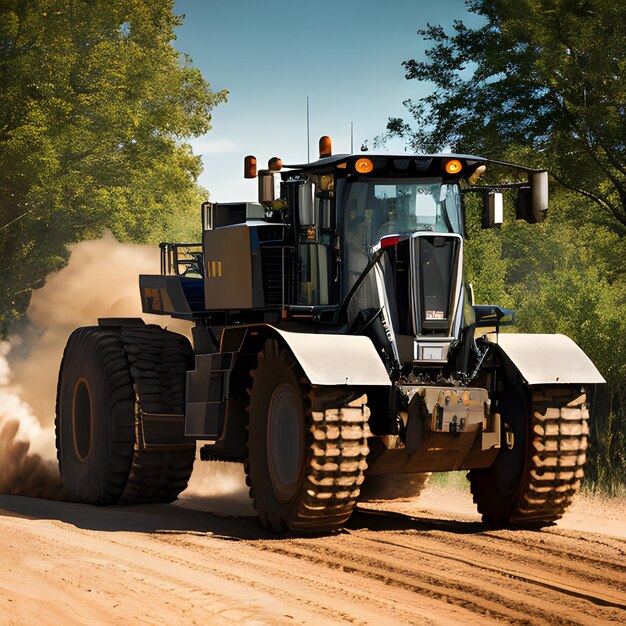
346 207
379 242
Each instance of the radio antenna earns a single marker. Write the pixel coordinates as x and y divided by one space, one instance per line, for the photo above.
351 137
308 133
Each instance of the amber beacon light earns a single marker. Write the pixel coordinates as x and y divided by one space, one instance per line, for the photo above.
453 166
275 164
363 166
249 167
326 147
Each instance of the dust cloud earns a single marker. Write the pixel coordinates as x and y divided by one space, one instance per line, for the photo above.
393 487
26 466
219 488
100 280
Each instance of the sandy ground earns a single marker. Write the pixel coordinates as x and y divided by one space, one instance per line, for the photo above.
207 560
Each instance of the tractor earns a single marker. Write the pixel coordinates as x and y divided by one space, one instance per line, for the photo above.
335 342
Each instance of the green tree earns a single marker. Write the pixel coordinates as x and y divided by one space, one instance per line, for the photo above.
95 106
484 263
548 75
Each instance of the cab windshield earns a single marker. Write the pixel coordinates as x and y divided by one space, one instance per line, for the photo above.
375 208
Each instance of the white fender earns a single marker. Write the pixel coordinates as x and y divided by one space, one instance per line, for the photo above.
337 359
547 359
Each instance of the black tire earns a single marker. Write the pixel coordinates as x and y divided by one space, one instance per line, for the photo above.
108 377
159 360
95 422
305 459
532 481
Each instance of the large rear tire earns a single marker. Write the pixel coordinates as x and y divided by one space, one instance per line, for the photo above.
95 422
307 447
110 377
536 475
159 360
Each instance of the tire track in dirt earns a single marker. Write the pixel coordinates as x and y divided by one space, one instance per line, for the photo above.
559 553
530 593
314 587
394 575
336 598
162 564
192 573
605 599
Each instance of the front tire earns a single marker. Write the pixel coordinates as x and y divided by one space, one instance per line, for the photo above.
535 476
306 449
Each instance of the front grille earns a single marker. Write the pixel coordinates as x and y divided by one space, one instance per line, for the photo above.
435 261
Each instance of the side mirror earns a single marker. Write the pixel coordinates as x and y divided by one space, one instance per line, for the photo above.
306 203
493 210
532 202
539 195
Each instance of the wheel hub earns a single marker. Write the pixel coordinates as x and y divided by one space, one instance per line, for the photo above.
82 408
285 442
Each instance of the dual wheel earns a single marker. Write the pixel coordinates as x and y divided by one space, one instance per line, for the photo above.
99 409
307 446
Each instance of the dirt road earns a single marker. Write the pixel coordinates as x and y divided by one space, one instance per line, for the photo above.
427 561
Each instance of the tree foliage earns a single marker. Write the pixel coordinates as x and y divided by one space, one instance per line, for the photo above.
548 75
95 105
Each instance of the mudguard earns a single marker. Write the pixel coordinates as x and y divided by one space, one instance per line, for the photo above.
337 359
328 359
547 359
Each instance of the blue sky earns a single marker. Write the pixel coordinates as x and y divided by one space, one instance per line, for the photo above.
345 55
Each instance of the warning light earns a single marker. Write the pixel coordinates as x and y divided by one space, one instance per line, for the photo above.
249 167
326 147
363 166
453 166
274 164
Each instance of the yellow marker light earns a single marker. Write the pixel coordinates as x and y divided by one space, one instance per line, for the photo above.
363 166
453 166
342 166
